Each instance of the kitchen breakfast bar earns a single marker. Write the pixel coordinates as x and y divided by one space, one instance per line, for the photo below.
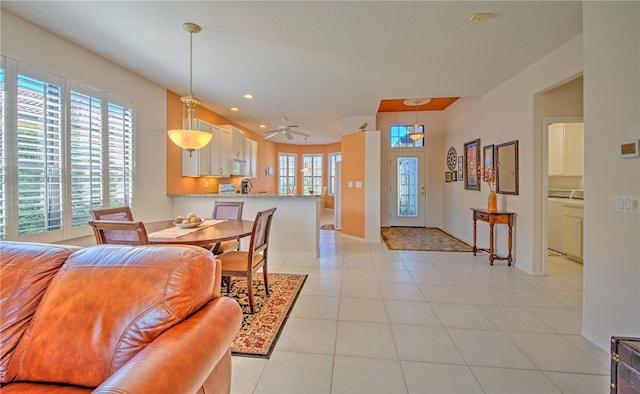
295 228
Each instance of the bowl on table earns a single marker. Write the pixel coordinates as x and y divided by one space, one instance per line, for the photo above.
188 225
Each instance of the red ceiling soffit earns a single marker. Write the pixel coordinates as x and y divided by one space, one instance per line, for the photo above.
397 105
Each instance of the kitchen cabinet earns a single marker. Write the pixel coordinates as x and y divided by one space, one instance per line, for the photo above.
220 152
566 149
554 225
198 162
213 159
237 148
572 226
251 158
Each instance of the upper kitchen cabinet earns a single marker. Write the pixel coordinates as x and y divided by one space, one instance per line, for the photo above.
237 142
198 162
566 149
213 159
251 157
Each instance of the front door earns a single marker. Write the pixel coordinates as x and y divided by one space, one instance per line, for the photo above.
408 197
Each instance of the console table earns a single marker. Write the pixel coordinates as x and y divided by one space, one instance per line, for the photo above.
493 217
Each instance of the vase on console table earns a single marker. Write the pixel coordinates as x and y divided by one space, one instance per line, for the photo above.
492 205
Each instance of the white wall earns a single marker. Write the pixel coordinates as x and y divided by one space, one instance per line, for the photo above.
30 44
612 114
505 114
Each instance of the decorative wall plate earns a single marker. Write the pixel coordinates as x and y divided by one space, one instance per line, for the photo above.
452 159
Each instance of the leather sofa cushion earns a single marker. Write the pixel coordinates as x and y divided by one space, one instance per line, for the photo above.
105 305
25 273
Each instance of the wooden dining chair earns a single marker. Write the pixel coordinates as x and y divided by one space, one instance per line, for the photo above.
119 232
245 264
227 210
118 213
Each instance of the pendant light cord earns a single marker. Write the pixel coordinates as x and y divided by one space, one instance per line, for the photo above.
191 64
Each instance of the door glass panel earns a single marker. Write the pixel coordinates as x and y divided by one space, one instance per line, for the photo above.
407 187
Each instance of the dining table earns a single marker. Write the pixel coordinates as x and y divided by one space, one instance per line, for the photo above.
203 235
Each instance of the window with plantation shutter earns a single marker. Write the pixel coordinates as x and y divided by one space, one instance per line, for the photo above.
312 178
120 154
39 154
65 150
286 173
86 151
333 159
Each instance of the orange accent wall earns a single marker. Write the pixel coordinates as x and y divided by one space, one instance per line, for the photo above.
353 199
177 184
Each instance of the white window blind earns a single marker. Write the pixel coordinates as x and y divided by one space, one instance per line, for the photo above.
39 152
120 127
65 149
286 173
86 151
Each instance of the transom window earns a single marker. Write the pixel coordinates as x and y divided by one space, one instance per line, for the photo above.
399 135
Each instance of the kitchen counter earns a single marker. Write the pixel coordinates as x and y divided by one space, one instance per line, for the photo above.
295 228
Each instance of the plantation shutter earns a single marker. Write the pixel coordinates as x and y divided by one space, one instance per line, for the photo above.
39 153
120 154
86 151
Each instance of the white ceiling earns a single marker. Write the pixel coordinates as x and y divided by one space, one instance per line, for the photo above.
314 62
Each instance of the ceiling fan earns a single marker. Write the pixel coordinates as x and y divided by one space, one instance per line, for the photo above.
285 129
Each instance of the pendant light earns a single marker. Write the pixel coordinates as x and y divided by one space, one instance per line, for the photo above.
305 168
190 138
416 135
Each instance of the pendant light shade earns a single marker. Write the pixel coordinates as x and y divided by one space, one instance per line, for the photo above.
416 135
189 137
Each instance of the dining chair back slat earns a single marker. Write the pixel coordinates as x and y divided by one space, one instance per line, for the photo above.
118 213
226 210
119 232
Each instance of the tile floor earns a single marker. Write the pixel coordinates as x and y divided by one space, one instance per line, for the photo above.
370 320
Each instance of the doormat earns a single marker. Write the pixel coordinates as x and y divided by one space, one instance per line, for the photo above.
260 331
327 227
421 238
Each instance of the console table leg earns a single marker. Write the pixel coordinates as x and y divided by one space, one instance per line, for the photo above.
490 243
509 257
474 236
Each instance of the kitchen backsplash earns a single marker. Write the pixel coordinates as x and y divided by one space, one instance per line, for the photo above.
566 182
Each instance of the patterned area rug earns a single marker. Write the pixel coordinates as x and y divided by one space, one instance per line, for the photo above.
260 330
420 238
327 227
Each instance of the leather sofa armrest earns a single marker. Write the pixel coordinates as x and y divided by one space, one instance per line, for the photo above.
181 359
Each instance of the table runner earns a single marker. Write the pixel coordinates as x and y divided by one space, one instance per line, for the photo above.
177 232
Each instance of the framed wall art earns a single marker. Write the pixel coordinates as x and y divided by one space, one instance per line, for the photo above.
460 164
471 161
447 176
507 171
487 156
454 176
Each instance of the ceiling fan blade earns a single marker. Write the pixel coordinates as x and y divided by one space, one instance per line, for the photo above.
299 133
288 134
270 136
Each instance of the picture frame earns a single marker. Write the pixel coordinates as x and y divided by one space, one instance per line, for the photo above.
460 164
488 156
447 176
506 155
471 161
454 176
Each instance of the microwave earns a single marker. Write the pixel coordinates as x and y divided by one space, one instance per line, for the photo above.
238 168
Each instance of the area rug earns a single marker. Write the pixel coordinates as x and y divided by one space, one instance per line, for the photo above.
260 330
420 238
327 227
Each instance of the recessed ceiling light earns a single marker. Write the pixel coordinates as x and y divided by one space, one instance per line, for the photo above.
234 109
263 126
480 17
248 96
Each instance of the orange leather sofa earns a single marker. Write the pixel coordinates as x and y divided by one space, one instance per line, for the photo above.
113 319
